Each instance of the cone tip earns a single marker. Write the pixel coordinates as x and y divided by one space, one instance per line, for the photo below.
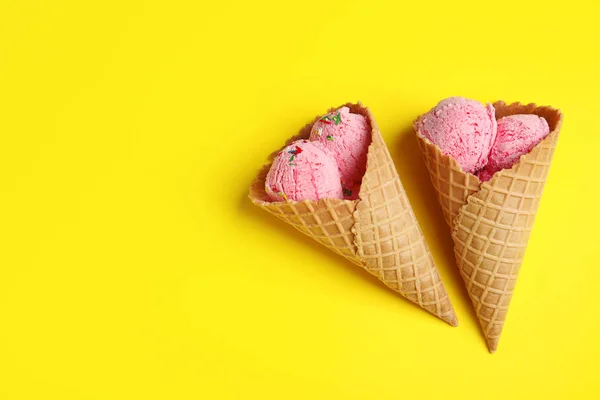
451 319
492 345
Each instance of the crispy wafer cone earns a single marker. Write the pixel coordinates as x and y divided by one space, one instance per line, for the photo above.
491 221
378 232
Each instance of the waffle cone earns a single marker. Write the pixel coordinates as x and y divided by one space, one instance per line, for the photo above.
378 232
491 221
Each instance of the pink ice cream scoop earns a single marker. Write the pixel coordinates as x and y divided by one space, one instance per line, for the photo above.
348 137
517 135
462 128
303 171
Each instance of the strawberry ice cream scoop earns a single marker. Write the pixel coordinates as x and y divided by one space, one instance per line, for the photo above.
348 137
517 135
303 171
463 129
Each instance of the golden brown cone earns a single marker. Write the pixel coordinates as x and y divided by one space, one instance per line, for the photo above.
378 232
491 221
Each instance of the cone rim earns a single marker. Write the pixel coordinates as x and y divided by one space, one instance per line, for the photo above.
522 109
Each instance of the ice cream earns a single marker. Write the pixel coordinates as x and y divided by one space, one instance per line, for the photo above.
517 135
462 128
348 137
490 223
484 175
378 232
303 171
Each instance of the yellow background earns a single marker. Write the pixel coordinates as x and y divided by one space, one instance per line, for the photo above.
132 265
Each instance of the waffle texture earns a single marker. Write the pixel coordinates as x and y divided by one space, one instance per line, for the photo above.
378 232
491 221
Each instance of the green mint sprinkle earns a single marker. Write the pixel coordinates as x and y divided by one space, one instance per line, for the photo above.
329 137
348 192
337 119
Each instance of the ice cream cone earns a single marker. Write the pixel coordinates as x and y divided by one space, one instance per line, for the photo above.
491 221
378 232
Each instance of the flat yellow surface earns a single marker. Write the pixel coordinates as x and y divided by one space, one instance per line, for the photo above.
132 265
